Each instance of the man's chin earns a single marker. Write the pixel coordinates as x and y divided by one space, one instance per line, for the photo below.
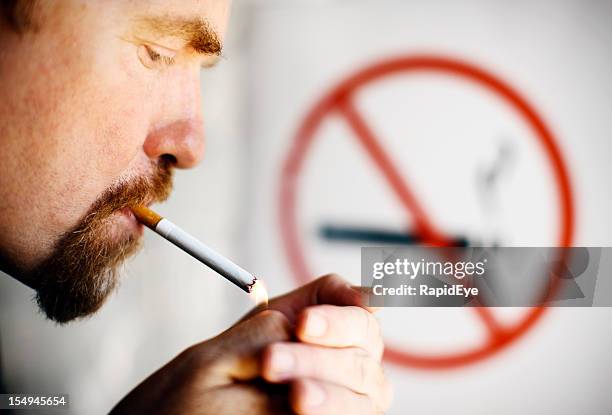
83 271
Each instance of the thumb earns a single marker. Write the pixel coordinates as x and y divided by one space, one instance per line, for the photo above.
237 350
330 289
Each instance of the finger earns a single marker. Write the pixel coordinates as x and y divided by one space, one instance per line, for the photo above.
334 326
330 289
310 397
351 367
254 333
234 353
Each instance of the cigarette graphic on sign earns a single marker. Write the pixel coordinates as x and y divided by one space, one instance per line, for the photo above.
354 123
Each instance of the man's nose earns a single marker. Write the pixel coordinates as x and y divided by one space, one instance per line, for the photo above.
180 130
182 139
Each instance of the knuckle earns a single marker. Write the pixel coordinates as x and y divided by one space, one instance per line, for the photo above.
312 361
371 333
369 406
363 371
331 278
379 343
362 374
378 376
331 275
367 322
271 315
274 320
197 358
373 326
381 347
369 374
294 349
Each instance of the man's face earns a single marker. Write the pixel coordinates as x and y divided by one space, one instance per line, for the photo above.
99 101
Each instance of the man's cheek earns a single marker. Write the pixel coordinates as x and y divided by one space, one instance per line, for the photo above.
119 143
122 124
121 107
103 152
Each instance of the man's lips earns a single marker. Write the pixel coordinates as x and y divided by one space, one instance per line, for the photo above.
128 216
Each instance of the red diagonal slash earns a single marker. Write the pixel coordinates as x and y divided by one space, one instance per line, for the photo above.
424 226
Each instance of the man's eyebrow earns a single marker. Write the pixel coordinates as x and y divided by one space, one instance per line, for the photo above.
196 32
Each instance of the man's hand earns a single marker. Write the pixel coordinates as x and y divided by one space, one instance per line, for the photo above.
217 376
336 366
333 366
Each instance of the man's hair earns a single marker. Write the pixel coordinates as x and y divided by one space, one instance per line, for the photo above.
19 14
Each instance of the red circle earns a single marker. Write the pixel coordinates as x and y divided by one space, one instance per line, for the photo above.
448 66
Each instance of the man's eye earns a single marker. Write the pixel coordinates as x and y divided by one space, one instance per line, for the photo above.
153 56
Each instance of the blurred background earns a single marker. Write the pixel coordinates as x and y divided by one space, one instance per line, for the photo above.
278 179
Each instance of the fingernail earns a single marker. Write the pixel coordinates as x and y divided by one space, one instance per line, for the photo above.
282 361
316 325
314 395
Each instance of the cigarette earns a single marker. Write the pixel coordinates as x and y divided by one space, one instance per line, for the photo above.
209 257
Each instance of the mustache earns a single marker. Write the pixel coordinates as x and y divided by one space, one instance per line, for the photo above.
142 190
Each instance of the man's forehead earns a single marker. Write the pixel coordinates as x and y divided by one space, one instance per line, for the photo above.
214 12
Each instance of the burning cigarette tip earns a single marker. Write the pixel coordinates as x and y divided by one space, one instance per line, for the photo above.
251 286
259 293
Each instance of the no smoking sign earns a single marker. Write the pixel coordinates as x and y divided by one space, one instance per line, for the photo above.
425 167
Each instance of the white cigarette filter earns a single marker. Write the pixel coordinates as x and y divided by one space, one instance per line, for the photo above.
222 265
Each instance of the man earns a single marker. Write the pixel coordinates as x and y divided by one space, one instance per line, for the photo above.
100 102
